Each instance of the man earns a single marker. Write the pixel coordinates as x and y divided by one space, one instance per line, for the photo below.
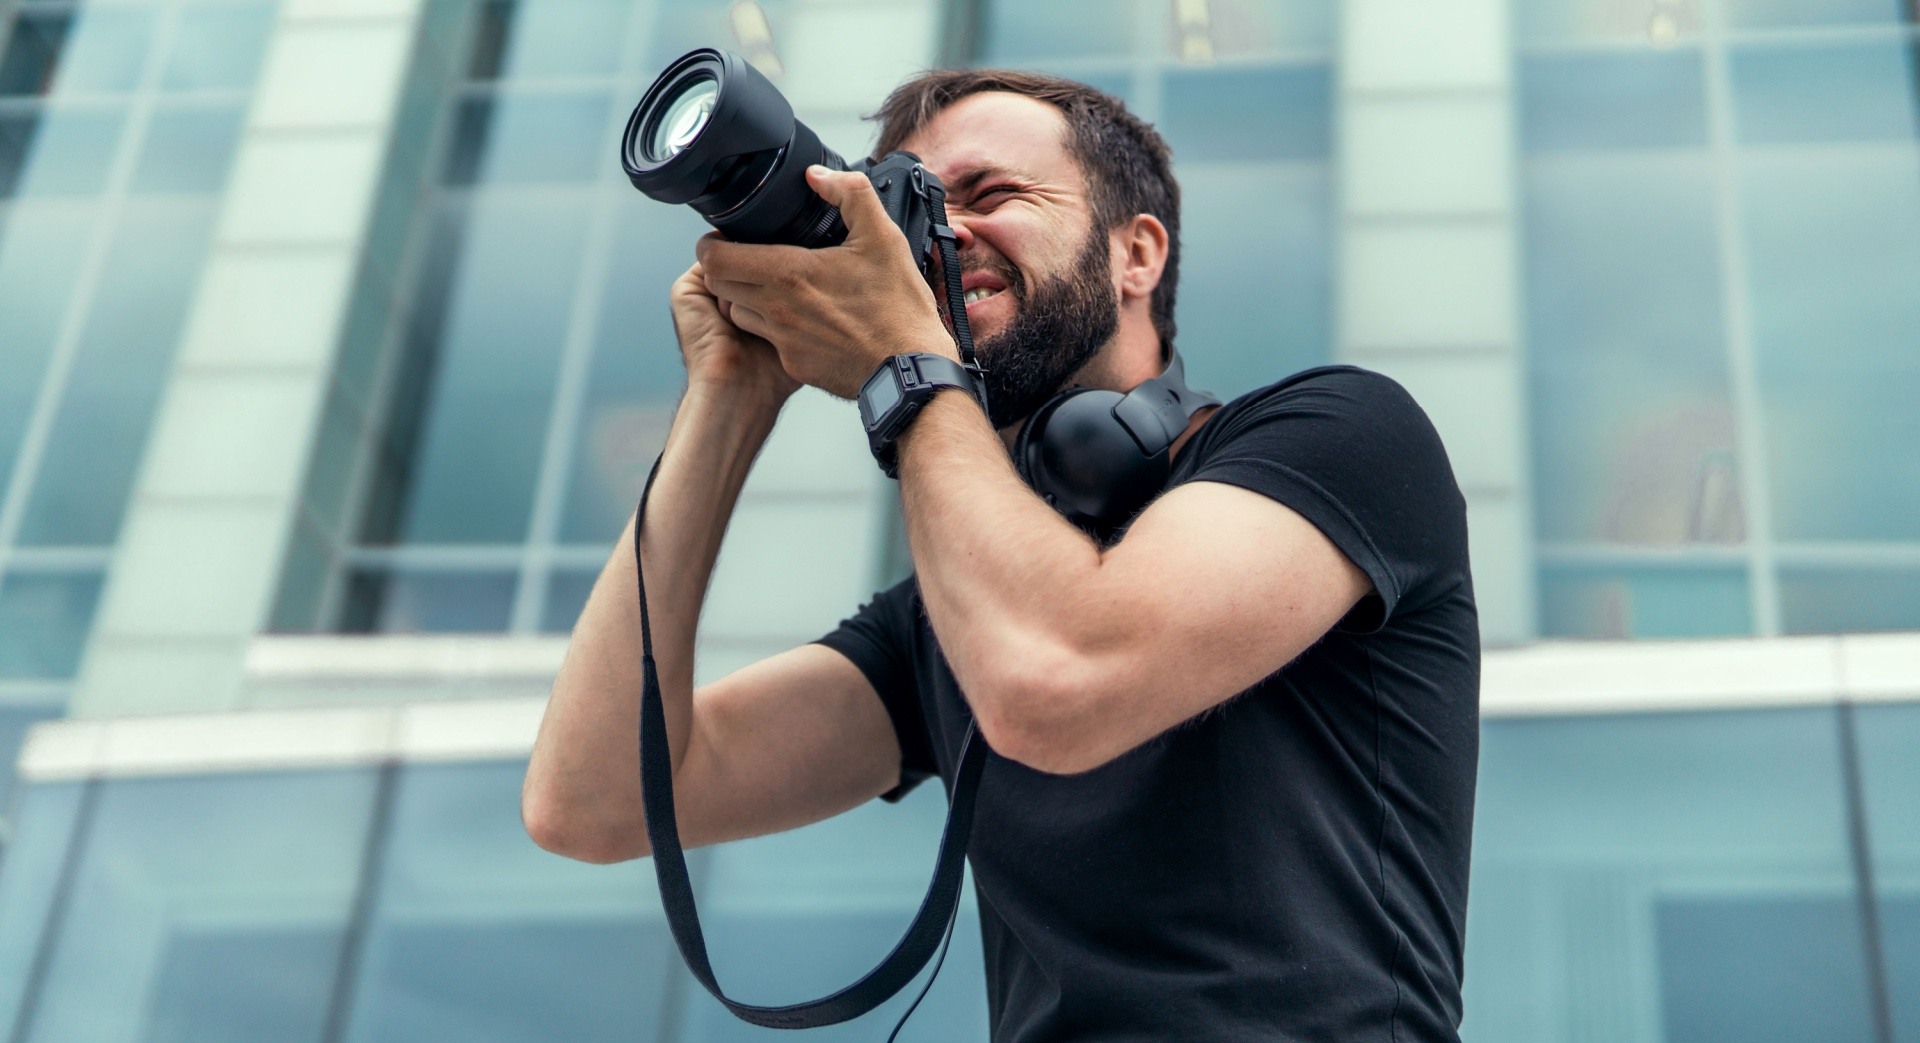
1234 750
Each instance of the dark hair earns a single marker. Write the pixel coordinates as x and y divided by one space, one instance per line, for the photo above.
1128 165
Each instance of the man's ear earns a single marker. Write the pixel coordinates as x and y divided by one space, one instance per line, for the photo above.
1142 248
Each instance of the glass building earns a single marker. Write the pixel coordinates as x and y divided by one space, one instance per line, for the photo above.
334 349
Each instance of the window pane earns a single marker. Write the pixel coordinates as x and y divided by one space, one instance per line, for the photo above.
218 48
209 908
1645 100
565 38
1025 33
124 355
479 935
40 252
1241 114
105 49
42 828
1241 27
15 720
401 601
566 597
68 150
44 621
1814 12
1834 251
637 375
1632 424
1890 775
1662 602
1636 877
1856 92
188 150
796 915
33 52
507 139
1838 601
1255 296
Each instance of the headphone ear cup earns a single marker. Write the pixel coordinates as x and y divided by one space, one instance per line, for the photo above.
1082 460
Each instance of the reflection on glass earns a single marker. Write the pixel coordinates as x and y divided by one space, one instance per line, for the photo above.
479 935
1890 782
1826 92
208 908
407 601
106 48
1634 875
44 620
41 830
1633 428
1839 600
124 354
217 47
68 150
32 57
1247 114
1018 33
1834 253
188 149
1254 293
507 139
1626 100
564 38
40 251
1632 603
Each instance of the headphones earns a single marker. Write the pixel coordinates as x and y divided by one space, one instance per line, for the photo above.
1099 456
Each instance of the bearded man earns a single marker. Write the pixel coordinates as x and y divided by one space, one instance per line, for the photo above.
1233 744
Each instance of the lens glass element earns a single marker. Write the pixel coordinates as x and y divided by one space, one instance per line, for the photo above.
685 118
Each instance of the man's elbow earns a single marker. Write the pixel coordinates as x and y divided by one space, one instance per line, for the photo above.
555 827
1043 718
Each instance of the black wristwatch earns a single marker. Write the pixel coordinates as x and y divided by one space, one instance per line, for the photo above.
892 397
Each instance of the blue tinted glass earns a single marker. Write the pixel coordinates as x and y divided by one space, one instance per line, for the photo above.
566 596
565 38
106 49
40 835
1849 92
188 150
1889 741
508 138
479 935
70 150
40 251
1241 114
124 354
33 50
1814 12
1239 27
681 26
1627 100
1624 603
510 264
218 47
1568 21
1833 245
1632 424
1842 600
1255 297
796 915
216 901
1019 32
44 621
1633 873
637 373
399 601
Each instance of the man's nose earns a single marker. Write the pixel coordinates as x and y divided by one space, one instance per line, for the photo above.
962 234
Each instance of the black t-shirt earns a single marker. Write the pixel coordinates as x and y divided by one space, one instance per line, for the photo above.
1292 865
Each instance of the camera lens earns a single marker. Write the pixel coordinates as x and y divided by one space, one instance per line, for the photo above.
714 134
686 116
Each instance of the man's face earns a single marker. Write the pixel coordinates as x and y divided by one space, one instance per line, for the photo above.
1039 277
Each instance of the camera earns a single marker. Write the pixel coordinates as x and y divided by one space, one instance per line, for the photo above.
715 134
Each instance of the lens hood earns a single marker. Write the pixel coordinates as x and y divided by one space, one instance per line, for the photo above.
749 116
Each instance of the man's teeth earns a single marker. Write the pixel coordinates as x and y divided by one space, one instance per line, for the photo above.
979 294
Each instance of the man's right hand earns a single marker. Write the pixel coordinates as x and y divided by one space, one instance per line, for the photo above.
716 352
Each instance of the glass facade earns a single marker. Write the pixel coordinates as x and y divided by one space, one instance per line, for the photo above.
1722 236
1749 875
117 126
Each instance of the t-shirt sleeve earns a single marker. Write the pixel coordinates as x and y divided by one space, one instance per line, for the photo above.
879 640
1350 451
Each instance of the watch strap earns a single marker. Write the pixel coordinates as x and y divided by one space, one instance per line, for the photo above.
918 376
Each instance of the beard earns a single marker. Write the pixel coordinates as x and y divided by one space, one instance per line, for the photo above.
1059 325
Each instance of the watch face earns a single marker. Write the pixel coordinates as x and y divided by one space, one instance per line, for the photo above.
878 397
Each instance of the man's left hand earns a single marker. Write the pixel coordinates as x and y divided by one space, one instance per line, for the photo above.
834 314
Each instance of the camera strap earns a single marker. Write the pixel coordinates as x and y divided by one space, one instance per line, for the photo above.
930 924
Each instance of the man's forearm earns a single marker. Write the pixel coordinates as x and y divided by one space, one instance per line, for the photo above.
582 783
